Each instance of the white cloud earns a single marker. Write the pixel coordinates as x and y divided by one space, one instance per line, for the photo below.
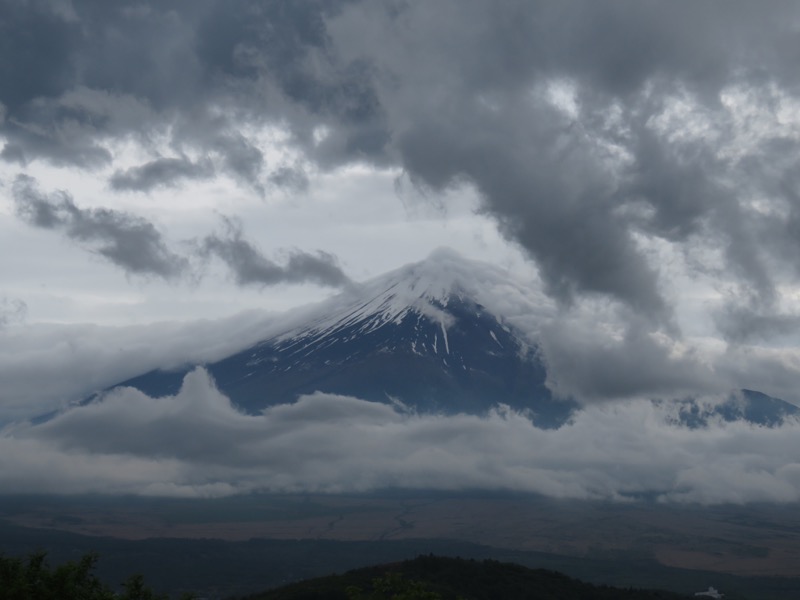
197 444
11 311
44 366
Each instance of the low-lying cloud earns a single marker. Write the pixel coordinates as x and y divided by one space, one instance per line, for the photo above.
198 444
45 366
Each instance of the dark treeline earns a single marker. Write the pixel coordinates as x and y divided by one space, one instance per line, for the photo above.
33 578
438 578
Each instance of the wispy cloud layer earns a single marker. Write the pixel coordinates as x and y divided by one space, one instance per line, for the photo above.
160 172
250 267
138 247
132 243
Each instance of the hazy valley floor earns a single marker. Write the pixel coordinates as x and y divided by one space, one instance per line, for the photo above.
244 544
745 540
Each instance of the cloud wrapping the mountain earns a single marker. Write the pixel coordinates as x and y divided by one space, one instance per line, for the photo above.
633 362
71 362
197 444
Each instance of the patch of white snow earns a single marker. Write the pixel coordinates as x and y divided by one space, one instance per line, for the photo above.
494 337
444 335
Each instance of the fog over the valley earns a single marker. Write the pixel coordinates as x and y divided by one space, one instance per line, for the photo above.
167 164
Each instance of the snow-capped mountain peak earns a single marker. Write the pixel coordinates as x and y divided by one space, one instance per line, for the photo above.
445 335
421 333
427 288
413 307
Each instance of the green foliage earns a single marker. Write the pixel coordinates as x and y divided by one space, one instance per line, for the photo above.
32 578
134 589
393 586
438 578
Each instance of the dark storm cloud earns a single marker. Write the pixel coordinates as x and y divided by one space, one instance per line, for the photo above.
291 178
36 45
554 201
597 132
216 67
584 364
594 131
160 173
560 184
250 267
128 241
241 158
742 323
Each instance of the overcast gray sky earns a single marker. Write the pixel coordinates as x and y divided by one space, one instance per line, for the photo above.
171 161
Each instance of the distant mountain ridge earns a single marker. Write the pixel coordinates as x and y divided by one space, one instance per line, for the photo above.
743 405
420 337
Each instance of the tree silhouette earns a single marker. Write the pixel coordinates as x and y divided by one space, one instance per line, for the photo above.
32 578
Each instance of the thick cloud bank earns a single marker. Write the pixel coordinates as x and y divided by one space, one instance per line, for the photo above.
197 444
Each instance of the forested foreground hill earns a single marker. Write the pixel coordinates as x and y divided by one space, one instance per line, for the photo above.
33 578
438 578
